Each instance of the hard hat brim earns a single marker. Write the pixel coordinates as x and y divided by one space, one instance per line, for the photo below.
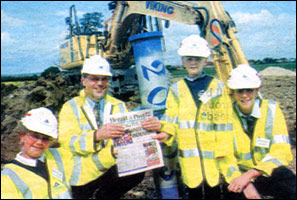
244 77
96 73
53 133
188 52
243 85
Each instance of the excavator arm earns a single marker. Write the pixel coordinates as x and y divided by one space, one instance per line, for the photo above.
220 34
214 22
134 17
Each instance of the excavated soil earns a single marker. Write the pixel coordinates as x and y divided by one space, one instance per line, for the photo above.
54 90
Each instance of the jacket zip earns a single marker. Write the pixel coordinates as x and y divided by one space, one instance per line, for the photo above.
196 133
200 153
252 139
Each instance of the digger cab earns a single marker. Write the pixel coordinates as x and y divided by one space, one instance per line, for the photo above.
77 48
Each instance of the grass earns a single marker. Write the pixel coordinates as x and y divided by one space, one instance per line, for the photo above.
16 83
289 66
211 71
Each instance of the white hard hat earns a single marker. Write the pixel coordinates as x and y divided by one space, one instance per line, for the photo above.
244 76
41 120
194 45
96 65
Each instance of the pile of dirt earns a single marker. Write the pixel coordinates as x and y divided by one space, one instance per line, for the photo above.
283 90
50 91
276 71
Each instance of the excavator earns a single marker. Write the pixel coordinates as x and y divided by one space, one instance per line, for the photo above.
133 43
135 17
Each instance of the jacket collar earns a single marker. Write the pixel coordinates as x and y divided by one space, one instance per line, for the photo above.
197 77
27 161
92 103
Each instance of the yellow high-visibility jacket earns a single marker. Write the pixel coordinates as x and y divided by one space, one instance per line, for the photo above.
77 124
203 134
270 144
18 182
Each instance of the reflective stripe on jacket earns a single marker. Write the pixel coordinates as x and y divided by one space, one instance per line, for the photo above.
77 124
20 183
202 134
270 146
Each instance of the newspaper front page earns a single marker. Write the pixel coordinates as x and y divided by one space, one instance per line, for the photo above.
137 151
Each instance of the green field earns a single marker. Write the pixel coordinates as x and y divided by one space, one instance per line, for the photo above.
16 83
211 71
289 66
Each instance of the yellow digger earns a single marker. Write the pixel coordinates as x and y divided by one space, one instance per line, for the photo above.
135 17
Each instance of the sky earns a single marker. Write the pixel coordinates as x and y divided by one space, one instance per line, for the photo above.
31 31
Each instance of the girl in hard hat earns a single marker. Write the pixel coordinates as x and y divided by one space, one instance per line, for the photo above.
37 172
261 141
198 117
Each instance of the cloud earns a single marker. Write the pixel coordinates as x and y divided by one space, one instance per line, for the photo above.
271 35
261 35
11 21
6 38
263 18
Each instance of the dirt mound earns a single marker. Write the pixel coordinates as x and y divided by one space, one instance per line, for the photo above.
276 71
51 92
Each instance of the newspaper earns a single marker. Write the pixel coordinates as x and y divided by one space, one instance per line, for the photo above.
137 151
